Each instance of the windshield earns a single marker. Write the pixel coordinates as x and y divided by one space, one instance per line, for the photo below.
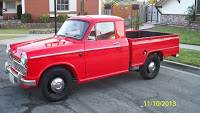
73 29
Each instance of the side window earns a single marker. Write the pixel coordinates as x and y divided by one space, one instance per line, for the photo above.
105 30
92 35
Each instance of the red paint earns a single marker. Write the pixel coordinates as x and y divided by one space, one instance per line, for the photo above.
98 63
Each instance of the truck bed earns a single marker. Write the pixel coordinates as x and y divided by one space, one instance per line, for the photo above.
142 42
143 34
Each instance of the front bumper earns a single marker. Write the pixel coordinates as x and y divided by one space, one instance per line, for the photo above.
18 77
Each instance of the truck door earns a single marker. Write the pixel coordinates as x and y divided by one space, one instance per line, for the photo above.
102 51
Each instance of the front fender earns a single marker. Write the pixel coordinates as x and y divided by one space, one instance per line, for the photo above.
68 66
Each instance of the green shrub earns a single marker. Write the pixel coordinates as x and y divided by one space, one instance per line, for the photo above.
85 13
26 18
44 18
19 11
62 17
191 16
137 23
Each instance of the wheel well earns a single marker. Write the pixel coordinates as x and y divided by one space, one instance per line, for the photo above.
158 53
69 68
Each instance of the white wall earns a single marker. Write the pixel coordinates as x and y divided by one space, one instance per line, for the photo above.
9 11
23 6
72 6
174 7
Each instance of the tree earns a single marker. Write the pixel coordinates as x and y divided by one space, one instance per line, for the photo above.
112 2
152 1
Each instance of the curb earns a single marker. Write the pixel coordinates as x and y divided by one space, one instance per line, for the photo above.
180 66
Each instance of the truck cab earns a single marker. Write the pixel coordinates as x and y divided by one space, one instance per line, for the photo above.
86 48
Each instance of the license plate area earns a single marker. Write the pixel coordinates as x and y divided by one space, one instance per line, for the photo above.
12 79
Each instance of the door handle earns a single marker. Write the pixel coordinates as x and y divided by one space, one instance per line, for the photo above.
116 43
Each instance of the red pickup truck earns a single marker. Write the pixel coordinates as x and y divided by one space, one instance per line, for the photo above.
87 48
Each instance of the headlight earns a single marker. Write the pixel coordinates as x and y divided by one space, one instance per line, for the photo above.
23 58
8 49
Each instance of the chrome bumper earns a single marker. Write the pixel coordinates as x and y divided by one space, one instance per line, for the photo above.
18 77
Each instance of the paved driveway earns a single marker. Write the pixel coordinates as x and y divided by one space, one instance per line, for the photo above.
124 93
25 37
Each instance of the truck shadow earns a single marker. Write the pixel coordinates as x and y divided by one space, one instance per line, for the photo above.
94 86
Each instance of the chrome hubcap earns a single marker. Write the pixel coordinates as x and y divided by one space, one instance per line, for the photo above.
151 67
57 85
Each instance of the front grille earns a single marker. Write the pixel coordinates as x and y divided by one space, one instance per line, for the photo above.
16 65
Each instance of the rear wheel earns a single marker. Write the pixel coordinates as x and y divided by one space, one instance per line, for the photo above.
56 84
151 67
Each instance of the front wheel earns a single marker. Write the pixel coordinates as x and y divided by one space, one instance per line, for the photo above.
56 84
151 67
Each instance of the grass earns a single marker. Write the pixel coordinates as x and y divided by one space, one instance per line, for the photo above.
186 36
187 56
15 31
9 37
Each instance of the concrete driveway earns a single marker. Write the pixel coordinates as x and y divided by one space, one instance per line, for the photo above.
124 93
25 37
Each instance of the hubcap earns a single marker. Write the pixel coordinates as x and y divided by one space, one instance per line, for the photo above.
57 85
151 67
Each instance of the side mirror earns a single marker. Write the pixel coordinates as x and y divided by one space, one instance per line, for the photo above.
91 38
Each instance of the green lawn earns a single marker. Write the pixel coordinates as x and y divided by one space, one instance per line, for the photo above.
9 37
187 56
16 31
186 36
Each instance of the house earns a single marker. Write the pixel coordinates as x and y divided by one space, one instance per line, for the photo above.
39 7
173 12
124 9
123 2
8 9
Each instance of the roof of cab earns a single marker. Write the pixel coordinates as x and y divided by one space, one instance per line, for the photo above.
97 18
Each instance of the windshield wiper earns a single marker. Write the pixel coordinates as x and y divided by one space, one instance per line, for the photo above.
62 35
72 36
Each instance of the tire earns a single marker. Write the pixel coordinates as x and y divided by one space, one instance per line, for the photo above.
60 75
148 71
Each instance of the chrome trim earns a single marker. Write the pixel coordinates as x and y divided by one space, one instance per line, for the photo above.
6 66
17 66
151 67
116 43
41 56
102 48
23 55
18 63
56 54
8 49
18 77
57 85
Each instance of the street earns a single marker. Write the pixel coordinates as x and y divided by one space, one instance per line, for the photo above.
124 93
